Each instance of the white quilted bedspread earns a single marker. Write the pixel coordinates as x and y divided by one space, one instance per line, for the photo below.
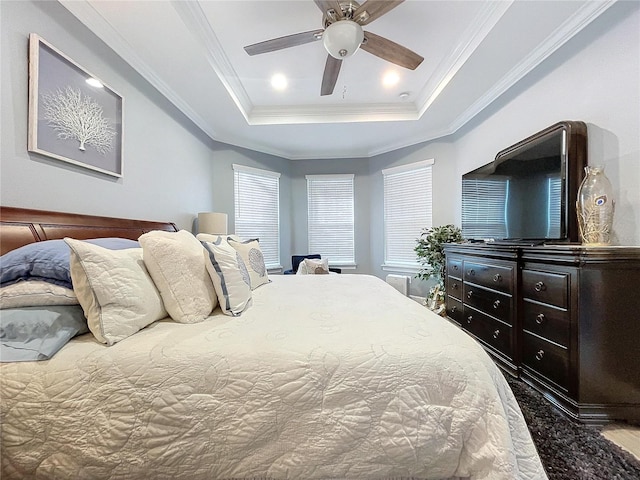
324 376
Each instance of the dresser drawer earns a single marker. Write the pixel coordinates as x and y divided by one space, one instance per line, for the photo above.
546 287
488 301
547 322
454 310
491 331
454 267
492 276
546 359
454 288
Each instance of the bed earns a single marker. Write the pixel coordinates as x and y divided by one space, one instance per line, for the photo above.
321 376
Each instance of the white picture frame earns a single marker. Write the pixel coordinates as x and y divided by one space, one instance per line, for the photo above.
73 116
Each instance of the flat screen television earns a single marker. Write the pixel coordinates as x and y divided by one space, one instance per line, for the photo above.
528 193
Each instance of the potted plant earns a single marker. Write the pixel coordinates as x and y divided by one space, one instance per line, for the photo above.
430 251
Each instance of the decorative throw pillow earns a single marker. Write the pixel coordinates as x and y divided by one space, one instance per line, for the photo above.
229 275
177 266
251 254
34 293
37 333
313 266
48 261
115 290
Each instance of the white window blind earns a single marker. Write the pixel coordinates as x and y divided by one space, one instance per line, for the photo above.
257 209
407 210
331 217
484 208
555 205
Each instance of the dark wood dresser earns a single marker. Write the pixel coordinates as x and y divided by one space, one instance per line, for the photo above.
564 318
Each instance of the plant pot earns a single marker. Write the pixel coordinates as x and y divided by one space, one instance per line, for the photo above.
436 300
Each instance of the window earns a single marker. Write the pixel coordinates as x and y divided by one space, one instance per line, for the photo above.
554 201
331 217
407 210
484 208
256 194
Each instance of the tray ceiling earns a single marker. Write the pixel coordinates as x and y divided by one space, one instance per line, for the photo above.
192 52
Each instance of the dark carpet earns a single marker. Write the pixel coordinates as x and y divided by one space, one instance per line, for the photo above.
570 450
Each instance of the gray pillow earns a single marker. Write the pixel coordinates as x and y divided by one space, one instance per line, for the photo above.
48 261
37 333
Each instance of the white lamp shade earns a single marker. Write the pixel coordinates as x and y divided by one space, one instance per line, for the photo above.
342 38
213 223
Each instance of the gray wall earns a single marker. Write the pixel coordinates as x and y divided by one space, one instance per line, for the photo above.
167 165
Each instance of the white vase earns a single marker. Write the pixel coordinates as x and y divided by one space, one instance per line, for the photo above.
595 207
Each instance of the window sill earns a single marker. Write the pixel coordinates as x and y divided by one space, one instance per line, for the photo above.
344 266
400 268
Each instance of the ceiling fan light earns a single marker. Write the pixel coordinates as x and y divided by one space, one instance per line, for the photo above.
342 38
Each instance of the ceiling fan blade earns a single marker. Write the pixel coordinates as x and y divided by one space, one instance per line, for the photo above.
326 5
284 42
390 51
330 77
373 9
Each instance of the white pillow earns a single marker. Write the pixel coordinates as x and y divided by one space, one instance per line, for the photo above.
177 266
229 275
313 266
114 289
35 293
253 259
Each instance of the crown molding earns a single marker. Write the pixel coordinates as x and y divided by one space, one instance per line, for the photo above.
579 20
195 20
101 27
480 27
333 114
369 153
428 136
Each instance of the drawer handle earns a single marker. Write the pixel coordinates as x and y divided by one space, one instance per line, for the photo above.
454 286
470 294
497 277
496 304
539 355
469 318
540 318
540 286
472 272
455 267
496 334
453 309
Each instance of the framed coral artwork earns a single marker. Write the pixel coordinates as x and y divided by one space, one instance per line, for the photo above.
73 116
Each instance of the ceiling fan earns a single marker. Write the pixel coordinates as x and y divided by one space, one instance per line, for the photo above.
342 35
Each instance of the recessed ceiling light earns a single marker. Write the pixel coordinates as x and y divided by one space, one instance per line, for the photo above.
94 82
390 79
279 81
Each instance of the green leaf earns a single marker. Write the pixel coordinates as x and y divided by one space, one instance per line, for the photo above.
430 251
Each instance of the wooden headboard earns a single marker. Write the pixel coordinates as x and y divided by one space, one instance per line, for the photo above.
20 226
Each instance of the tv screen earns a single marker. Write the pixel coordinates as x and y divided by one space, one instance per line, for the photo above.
522 195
